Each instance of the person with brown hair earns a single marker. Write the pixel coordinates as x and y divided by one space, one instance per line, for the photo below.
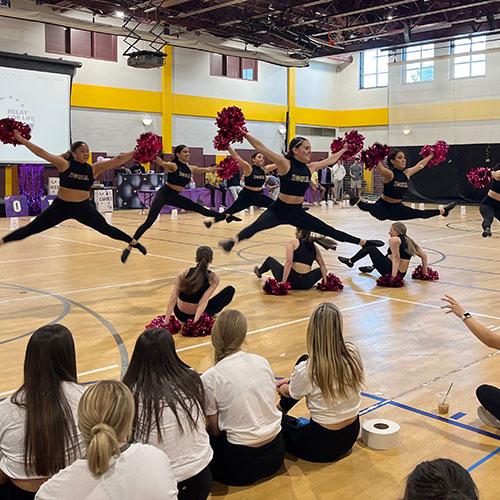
193 290
113 468
330 377
38 433
243 421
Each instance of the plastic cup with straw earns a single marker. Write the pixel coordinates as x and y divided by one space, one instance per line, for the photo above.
443 406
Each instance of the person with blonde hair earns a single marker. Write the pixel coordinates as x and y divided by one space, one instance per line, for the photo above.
330 377
113 468
243 421
397 260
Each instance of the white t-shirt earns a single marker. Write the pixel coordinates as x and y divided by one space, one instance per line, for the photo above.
241 390
12 423
189 452
323 411
140 472
338 172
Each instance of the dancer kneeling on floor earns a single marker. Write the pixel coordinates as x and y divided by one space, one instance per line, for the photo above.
330 377
300 255
169 411
193 290
243 421
401 249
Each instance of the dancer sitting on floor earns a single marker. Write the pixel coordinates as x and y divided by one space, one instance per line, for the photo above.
295 171
193 290
330 377
397 260
301 252
76 176
490 206
396 176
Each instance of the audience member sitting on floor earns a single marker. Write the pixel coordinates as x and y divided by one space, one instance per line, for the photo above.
38 433
330 377
112 468
243 421
488 395
440 479
169 402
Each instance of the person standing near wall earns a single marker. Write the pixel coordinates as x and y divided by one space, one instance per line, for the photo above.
356 175
338 181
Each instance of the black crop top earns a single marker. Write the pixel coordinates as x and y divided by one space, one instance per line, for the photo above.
305 253
78 176
296 181
182 176
257 177
398 186
195 297
495 186
403 248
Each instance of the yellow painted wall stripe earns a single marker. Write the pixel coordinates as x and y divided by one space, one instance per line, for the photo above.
8 181
167 101
343 117
291 99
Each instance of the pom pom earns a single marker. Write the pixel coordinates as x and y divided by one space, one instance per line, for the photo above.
201 328
439 150
332 283
157 322
353 140
227 168
430 276
7 127
173 325
391 282
479 177
231 124
275 287
375 153
148 147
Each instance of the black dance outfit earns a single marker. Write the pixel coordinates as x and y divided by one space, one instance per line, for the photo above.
396 188
490 209
78 176
215 303
305 254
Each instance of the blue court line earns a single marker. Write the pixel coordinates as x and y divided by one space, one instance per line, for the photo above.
484 459
458 415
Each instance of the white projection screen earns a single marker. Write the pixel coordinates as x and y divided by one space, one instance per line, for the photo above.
42 100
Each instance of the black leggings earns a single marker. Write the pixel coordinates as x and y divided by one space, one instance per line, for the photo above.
248 198
212 190
383 210
489 397
168 196
297 280
197 487
381 262
280 213
9 491
60 210
214 306
328 190
489 209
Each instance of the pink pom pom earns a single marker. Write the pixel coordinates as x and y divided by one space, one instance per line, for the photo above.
148 147
275 287
375 153
332 283
7 127
231 124
227 168
336 145
390 282
439 150
157 322
430 276
353 140
479 177
201 328
173 325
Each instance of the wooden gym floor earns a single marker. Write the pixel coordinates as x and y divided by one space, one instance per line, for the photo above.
410 348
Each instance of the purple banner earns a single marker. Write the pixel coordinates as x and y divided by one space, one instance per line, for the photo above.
16 206
31 185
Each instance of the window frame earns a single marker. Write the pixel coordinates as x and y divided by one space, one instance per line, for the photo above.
456 55
420 61
219 67
377 74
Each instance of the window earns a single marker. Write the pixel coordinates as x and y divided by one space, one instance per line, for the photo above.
467 62
373 68
419 63
80 43
233 67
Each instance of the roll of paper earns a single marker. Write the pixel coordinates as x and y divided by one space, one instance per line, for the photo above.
380 434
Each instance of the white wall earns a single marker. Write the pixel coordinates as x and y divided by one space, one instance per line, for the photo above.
317 86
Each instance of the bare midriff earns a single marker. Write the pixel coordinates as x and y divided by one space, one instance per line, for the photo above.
388 199
72 195
494 195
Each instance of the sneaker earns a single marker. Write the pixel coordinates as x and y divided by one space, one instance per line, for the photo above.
208 223
226 245
125 255
448 208
487 417
375 243
141 248
366 269
346 261
257 272
486 232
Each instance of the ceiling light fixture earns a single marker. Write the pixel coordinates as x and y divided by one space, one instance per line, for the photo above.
120 14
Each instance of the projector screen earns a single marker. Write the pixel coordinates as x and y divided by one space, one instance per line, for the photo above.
42 100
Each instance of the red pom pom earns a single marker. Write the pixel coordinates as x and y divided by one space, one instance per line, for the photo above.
391 282
375 153
7 127
201 328
227 168
353 140
157 322
173 325
275 287
231 124
479 177
148 147
430 276
439 150
332 283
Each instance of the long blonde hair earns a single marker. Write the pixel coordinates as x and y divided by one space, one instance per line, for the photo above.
411 246
334 366
105 415
228 333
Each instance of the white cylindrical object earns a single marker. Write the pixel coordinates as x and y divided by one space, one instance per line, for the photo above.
413 205
380 434
109 217
421 206
251 210
13 222
441 207
174 213
463 211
